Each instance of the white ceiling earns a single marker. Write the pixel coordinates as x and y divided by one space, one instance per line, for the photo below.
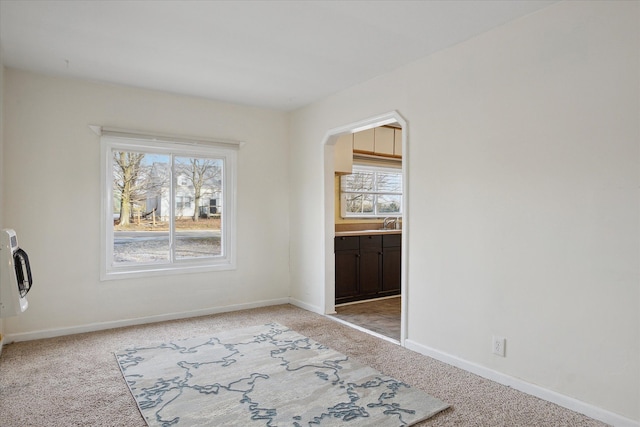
275 54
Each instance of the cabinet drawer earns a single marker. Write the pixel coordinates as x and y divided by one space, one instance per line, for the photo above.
368 242
345 243
391 240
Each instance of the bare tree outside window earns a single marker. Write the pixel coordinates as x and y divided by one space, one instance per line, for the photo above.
127 182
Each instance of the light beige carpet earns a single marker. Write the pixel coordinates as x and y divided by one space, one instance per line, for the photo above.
74 381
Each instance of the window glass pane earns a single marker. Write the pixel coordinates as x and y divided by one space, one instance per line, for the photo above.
389 182
358 181
140 235
388 204
198 212
359 203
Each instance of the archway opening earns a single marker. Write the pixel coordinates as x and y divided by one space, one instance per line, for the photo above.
378 216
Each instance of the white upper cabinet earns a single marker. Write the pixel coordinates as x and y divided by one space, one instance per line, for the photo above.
397 142
343 154
364 141
383 141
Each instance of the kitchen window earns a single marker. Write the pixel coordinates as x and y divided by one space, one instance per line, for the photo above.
157 194
371 192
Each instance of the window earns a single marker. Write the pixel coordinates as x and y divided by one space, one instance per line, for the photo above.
371 192
183 180
156 199
183 202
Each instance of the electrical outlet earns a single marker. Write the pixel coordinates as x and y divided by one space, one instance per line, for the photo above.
498 345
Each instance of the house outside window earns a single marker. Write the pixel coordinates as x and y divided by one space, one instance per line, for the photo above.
155 224
371 192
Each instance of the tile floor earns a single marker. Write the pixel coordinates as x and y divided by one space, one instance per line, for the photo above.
381 316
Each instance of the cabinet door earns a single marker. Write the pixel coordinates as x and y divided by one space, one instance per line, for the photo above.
384 141
347 268
363 141
370 272
397 145
370 265
391 270
343 154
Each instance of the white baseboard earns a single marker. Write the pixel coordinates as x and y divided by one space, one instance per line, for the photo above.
305 306
92 327
532 389
1 343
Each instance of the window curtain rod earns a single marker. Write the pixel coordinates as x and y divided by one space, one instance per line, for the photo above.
145 136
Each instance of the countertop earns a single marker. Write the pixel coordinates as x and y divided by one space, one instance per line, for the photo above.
366 232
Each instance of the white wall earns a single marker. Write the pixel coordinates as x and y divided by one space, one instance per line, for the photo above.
52 200
1 157
523 162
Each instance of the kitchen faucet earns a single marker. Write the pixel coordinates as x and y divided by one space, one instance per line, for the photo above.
388 220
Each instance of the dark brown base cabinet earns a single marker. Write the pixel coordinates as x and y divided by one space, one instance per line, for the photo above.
367 266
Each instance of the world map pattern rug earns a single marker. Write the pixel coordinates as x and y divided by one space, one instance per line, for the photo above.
265 375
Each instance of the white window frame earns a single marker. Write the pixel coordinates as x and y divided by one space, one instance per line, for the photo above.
125 141
375 169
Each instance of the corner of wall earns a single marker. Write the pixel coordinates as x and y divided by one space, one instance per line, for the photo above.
1 160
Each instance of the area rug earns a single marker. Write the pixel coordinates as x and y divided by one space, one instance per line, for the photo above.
265 375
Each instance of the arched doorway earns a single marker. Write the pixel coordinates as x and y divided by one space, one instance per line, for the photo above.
391 119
